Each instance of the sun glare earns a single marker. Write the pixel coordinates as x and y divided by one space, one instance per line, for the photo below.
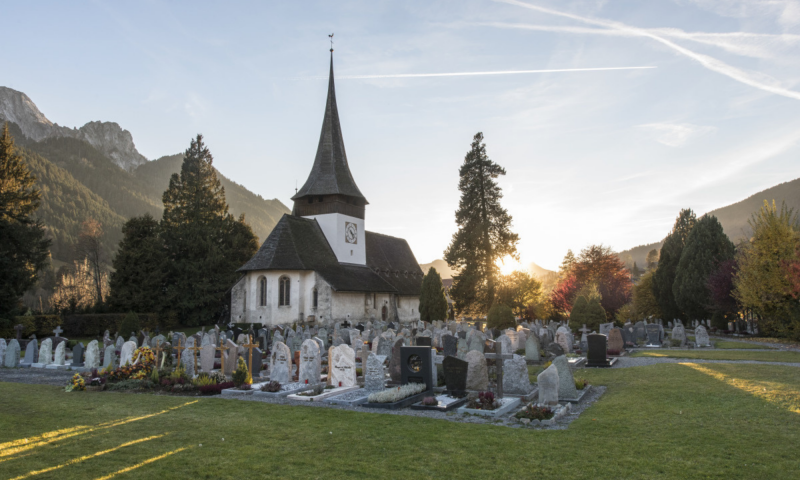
509 265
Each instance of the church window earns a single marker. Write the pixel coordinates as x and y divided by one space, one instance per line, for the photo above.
310 199
374 300
319 199
262 292
284 292
315 298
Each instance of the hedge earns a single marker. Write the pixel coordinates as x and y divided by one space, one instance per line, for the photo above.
86 325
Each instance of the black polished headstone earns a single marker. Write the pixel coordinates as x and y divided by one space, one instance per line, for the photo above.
77 355
416 366
424 341
449 345
596 356
462 335
653 334
257 353
455 376
360 327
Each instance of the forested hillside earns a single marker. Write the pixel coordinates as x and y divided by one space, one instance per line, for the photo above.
733 218
78 183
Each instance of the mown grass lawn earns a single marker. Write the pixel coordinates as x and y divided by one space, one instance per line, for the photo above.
726 344
761 356
662 421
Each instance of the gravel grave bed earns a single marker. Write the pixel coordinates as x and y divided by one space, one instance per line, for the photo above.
36 376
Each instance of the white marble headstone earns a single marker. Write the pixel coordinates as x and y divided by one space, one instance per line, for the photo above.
92 356
342 365
310 366
126 354
280 363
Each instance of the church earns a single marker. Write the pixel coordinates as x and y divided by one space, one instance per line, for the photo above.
319 264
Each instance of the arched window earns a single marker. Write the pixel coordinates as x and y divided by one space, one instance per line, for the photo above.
397 301
262 292
285 291
314 298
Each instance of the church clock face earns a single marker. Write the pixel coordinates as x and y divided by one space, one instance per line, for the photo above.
350 232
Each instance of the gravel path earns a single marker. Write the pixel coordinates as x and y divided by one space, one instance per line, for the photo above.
36 376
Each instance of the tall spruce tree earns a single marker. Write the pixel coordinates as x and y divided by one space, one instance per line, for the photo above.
595 314
432 302
484 232
706 247
667 267
577 316
204 243
24 250
138 280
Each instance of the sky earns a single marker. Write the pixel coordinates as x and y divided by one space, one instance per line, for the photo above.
594 152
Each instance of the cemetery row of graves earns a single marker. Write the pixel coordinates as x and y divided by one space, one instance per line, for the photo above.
523 376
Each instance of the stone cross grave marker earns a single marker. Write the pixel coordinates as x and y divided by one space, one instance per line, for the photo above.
499 357
250 346
195 348
222 349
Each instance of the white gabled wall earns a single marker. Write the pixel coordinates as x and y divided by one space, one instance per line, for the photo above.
334 226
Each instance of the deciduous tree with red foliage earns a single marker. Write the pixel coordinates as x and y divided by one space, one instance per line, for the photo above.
720 287
563 295
792 270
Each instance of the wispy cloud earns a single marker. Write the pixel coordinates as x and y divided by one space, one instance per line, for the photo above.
676 134
753 79
469 74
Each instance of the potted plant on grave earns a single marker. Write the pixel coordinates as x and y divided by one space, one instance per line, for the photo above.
580 384
484 401
534 412
241 376
273 386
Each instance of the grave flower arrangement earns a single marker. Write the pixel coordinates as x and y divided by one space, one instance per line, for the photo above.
272 387
484 401
581 384
430 401
393 395
76 383
534 412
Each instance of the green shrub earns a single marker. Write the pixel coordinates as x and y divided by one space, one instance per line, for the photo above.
500 317
129 324
241 376
595 315
577 316
40 325
126 385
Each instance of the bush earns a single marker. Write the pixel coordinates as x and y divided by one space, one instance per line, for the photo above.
241 375
595 315
577 316
129 324
95 324
215 389
40 325
500 317
125 385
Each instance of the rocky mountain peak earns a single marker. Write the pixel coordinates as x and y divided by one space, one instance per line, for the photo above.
108 137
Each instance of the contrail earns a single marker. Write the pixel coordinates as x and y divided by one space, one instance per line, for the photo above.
499 72
757 80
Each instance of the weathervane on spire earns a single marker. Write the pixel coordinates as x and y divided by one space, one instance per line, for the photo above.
331 37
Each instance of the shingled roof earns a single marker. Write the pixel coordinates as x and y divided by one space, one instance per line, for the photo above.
330 174
298 243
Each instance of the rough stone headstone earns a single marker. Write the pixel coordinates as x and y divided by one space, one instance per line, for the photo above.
455 375
477 373
3 346
507 346
554 349
701 337
60 357
374 373
679 334
109 356
462 348
475 341
187 359
515 376
449 346
310 363
394 364
46 352
342 366
548 382
126 354
77 355
562 339
532 349
605 328
11 359
208 353
615 341
653 334
280 363
566 382
118 344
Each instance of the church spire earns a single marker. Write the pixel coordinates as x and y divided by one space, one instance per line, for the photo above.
330 174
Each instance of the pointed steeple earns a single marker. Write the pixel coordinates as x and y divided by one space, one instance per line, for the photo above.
330 174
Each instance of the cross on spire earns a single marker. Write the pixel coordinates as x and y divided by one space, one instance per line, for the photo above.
331 37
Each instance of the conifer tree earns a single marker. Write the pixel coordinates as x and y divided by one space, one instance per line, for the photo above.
204 243
668 264
484 232
137 283
577 316
706 247
432 302
595 315
23 246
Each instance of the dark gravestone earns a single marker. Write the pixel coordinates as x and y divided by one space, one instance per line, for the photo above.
360 327
394 363
653 334
257 354
455 376
449 346
236 332
554 349
640 331
77 355
628 336
424 341
462 335
391 326
416 366
596 356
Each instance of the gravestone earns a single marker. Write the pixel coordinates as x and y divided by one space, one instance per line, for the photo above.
126 354
449 345
507 346
424 342
615 342
374 373
77 354
478 372
3 346
416 366
640 331
342 366
562 339
515 376
628 336
679 334
109 356
258 362
475 341
548 382
701 337
118 344
187 359
455 376
11 359
394 364
554 349
280 363
462 348
566 382
605 328
60 357
231 357
208 355
310 363
513 336
385 345
598 346
31 352
532 348
653 334
46 352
